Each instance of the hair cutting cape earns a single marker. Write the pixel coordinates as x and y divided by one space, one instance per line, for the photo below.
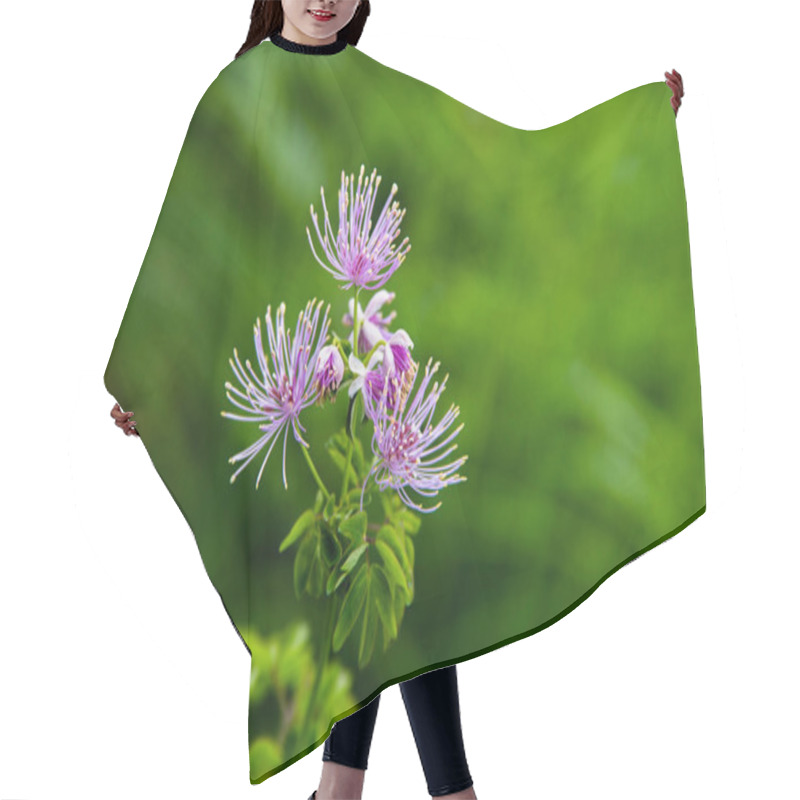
521 417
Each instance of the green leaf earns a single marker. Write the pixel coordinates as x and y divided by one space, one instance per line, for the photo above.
369 627
409 588
353 558
358 455
395 540
338 582
316 579
399 608
334 579
318 501
331 549
353 496
382 592
330 507
303 562
393 568
304 522
355 527
351 607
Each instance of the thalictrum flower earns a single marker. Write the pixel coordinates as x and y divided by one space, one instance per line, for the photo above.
329 372
396 356
368 380
372 325
358 257
397 369
405 444
372 330
279 395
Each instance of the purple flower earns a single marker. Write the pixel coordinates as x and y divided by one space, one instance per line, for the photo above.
359 257
391 360
405 444
397 370
397 355
372 325
330 371
368 380
280 394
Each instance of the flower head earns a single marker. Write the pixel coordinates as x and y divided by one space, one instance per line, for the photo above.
397 370
390 367
372 325
368 379
358 257
329 372
279 394
405 444
397 353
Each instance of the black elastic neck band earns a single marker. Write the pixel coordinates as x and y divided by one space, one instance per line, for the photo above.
309 49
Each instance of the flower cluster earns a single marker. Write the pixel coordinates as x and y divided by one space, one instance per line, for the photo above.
378 364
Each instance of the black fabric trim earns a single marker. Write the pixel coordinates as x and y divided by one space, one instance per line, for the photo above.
309 49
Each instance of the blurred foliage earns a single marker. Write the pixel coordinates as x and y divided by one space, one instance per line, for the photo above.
283 669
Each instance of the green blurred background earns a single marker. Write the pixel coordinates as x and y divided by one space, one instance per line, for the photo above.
549 273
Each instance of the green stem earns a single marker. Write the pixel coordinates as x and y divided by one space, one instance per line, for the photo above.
338 343
315 473
355 322
370 474
347 466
